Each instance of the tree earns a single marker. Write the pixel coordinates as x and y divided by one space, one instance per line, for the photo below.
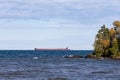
112 33
117 28
116 23
115 49
102 41
107 41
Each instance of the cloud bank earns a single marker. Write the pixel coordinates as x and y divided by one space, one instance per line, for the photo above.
67 9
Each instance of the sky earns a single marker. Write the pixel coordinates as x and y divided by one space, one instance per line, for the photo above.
29 24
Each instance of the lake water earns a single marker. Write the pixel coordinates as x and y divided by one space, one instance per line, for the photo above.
50 65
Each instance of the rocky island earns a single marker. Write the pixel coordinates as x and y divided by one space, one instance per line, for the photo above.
107 42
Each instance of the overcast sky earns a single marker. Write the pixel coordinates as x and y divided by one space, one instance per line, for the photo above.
26 24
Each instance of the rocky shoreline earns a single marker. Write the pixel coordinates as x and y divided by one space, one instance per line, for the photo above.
90 56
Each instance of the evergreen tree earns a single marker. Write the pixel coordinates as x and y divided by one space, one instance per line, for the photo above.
102 41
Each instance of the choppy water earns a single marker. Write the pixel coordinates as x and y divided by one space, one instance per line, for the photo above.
50 65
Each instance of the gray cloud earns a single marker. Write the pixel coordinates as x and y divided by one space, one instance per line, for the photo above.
58 13
40 9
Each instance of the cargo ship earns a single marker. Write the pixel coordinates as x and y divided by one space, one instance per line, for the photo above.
52 48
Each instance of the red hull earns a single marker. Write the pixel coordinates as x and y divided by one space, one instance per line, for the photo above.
52 48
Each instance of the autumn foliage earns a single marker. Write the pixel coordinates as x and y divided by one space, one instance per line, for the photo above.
112 32
107 41
116 23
